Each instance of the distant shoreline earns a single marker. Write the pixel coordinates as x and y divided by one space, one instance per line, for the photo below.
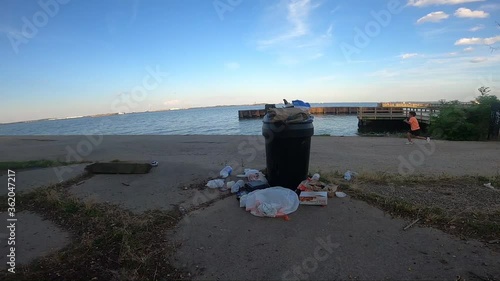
121 113
162 110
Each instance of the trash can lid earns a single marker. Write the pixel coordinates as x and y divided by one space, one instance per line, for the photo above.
288 115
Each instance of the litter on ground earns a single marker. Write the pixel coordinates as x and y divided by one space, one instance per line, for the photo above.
270 202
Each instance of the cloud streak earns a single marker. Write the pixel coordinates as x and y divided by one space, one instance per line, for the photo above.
478 41
295 42
478 60
298 14
433 17
476 28
425 3
409 55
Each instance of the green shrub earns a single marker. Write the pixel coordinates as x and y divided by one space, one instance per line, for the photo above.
470 122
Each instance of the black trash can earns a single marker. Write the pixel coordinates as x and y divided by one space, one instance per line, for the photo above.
288 147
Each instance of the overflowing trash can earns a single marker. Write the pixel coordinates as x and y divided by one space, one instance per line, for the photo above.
287 132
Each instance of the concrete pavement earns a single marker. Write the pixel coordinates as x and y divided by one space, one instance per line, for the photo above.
222 241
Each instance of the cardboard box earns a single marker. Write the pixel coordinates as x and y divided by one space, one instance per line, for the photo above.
319 198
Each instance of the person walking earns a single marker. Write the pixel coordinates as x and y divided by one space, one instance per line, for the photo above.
414 129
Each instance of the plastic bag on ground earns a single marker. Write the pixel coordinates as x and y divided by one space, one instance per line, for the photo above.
349 175
226 171
249 172
255 175
218 183
271 202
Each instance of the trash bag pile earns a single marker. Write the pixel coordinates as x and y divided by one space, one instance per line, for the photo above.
255 194
313 184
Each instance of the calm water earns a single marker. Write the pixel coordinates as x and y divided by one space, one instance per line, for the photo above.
199 121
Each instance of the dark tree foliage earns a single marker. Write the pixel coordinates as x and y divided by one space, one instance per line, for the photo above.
460 122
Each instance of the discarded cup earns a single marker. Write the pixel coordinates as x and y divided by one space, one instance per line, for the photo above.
226 172
237 186
218 183
349 175
315 177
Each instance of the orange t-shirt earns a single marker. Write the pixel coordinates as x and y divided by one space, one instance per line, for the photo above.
414 124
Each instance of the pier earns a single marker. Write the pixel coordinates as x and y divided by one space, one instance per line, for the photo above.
373 119
385 116
396 113
259 113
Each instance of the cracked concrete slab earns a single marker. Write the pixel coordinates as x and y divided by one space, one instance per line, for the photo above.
34 238
27 180
162 188
347 239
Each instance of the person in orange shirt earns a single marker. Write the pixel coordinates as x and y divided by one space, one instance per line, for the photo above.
414 129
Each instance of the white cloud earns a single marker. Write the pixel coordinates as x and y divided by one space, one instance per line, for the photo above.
433 17
478 60
298 13
423 3
329 31
478 41
335 10
477 27
468 13
408 55
288 33
468 49
232 65
453 54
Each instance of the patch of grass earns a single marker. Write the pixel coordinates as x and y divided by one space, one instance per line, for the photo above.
108 243
19 165
464 224
470 224
420 179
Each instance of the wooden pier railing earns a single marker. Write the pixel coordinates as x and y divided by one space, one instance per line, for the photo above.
395 113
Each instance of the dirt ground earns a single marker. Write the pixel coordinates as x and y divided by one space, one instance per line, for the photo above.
215 239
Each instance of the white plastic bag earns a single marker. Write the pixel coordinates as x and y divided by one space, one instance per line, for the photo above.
271 202
218 183
249 172
349 175
255 175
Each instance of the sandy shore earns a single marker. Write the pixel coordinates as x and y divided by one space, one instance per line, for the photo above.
377 154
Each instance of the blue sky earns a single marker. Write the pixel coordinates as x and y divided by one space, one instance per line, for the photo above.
72 57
